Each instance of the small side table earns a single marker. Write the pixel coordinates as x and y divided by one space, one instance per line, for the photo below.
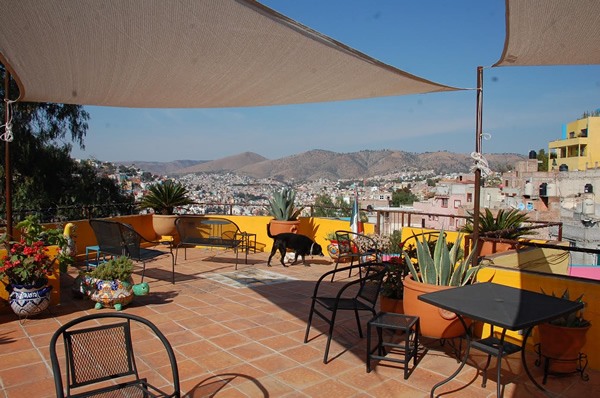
393 322
249 241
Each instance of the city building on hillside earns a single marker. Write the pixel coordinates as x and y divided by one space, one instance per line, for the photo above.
579 147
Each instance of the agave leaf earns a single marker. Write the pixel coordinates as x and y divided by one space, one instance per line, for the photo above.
470 274
426 263
411 267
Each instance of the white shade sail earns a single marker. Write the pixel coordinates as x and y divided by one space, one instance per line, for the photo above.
183 54
551 32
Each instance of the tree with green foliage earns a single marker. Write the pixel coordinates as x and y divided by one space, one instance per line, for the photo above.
325 207
46 180
542 158
403 196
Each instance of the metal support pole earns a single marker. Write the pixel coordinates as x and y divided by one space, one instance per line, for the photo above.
7 168
478 136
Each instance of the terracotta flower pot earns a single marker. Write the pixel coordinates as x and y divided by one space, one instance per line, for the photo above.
434 321
387 304
277 227
563 344
164 225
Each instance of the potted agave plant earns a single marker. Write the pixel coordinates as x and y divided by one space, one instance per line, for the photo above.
445 268
283 209
163 198
507 224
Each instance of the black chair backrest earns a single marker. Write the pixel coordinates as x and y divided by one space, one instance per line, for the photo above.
97 352
371 282
131 241
108 236
194 229
345 243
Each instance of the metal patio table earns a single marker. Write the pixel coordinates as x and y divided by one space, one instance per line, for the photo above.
501 306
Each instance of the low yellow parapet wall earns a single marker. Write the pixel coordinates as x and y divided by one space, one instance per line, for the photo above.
536 281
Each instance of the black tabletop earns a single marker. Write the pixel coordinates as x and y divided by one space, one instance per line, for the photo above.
500 305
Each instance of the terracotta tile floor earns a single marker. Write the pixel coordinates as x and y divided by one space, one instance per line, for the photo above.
244 338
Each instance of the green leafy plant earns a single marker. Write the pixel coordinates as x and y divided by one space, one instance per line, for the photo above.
393 285
445 267
119 268
27 261
507 224
572 320
163 197
330 235
282 206
395 239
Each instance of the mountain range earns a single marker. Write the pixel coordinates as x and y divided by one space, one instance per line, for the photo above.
318 163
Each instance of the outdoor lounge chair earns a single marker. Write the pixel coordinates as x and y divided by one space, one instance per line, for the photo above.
118 239
99 359
367 286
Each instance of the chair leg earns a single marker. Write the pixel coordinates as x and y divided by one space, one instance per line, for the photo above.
337 261
173 267
329 336
358 323
310 316
175 258
143 270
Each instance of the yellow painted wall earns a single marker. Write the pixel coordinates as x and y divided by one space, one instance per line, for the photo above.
592 142
535 282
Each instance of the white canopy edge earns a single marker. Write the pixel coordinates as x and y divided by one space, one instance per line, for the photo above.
551 32
183 54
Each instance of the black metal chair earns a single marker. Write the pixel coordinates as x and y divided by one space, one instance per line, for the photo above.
352 247
364 297
100 360
119 239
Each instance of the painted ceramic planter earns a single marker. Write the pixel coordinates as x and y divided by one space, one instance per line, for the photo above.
111 294
28 300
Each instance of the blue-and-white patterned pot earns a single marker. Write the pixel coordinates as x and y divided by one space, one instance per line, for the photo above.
28 300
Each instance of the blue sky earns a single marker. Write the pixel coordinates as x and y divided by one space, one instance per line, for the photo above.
443 41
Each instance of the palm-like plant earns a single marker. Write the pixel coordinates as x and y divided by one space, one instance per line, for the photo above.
164 197
282 206
507 224
445 267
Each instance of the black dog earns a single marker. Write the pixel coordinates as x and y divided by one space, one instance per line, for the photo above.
300 244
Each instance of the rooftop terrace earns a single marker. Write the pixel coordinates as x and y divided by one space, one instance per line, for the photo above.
241 335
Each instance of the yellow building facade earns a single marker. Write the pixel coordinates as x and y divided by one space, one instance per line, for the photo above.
579 149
